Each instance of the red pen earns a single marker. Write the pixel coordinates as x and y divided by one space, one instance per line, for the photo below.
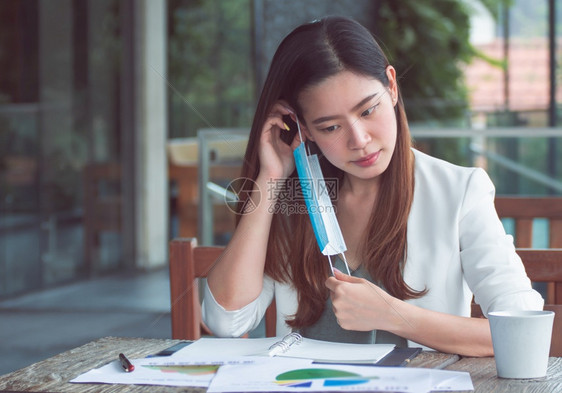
126 364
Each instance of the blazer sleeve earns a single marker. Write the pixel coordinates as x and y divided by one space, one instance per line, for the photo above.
491 266
235 323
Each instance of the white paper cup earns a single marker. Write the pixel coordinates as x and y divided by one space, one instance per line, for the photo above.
521 342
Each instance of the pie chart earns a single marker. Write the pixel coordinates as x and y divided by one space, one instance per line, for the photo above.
332 377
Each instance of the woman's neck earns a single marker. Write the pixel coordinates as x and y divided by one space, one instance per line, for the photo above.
360 188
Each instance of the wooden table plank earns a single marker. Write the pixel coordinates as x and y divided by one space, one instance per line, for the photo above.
53 374
430 359
484 377
70 364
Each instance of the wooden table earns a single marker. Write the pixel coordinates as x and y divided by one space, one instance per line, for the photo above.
53 374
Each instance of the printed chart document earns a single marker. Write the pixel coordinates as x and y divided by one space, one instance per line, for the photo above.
160 371
305 348
447 381
277 374
284 375
249 365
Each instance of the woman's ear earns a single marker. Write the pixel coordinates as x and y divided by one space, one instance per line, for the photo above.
392 84
306 131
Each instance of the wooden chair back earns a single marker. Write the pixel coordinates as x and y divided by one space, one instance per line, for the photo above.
188 263
523 210
544 265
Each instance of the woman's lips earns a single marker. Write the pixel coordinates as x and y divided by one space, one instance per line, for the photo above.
368 160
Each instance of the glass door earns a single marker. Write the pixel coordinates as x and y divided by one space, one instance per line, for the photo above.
59 126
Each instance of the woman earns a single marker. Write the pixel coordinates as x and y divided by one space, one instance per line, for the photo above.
422 235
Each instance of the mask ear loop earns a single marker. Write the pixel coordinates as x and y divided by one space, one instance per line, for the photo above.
345 262
331 265
300 135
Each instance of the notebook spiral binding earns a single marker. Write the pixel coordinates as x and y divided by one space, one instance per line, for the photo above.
287 341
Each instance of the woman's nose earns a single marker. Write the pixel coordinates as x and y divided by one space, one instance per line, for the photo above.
358 136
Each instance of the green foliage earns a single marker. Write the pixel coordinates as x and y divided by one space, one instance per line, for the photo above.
426 41
210 69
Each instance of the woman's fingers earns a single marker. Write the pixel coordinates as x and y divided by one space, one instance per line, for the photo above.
275 121
288 110
276 114
276 156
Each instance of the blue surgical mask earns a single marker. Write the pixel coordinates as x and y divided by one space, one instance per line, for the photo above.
319 205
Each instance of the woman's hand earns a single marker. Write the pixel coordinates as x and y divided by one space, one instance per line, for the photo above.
359 304
276 157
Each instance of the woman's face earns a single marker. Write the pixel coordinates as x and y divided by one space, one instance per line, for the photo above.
352 120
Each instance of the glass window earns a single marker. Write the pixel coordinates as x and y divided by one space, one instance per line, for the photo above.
59 116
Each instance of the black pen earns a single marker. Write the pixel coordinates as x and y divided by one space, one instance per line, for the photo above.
125 363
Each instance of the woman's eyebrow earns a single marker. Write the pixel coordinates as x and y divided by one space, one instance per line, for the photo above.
357 106
364 101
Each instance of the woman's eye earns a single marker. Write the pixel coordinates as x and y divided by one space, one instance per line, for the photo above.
330 129
369 111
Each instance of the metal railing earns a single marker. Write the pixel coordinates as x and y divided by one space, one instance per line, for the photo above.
210 191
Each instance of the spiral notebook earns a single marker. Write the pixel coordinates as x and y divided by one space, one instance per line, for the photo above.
292 345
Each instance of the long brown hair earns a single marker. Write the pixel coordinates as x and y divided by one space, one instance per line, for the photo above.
307 56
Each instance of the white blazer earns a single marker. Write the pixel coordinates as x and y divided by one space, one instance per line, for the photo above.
457 247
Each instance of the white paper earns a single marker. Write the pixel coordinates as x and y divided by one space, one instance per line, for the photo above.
323 351
160 371
225 347
259 373
224 365
282 375
327 351
446 381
